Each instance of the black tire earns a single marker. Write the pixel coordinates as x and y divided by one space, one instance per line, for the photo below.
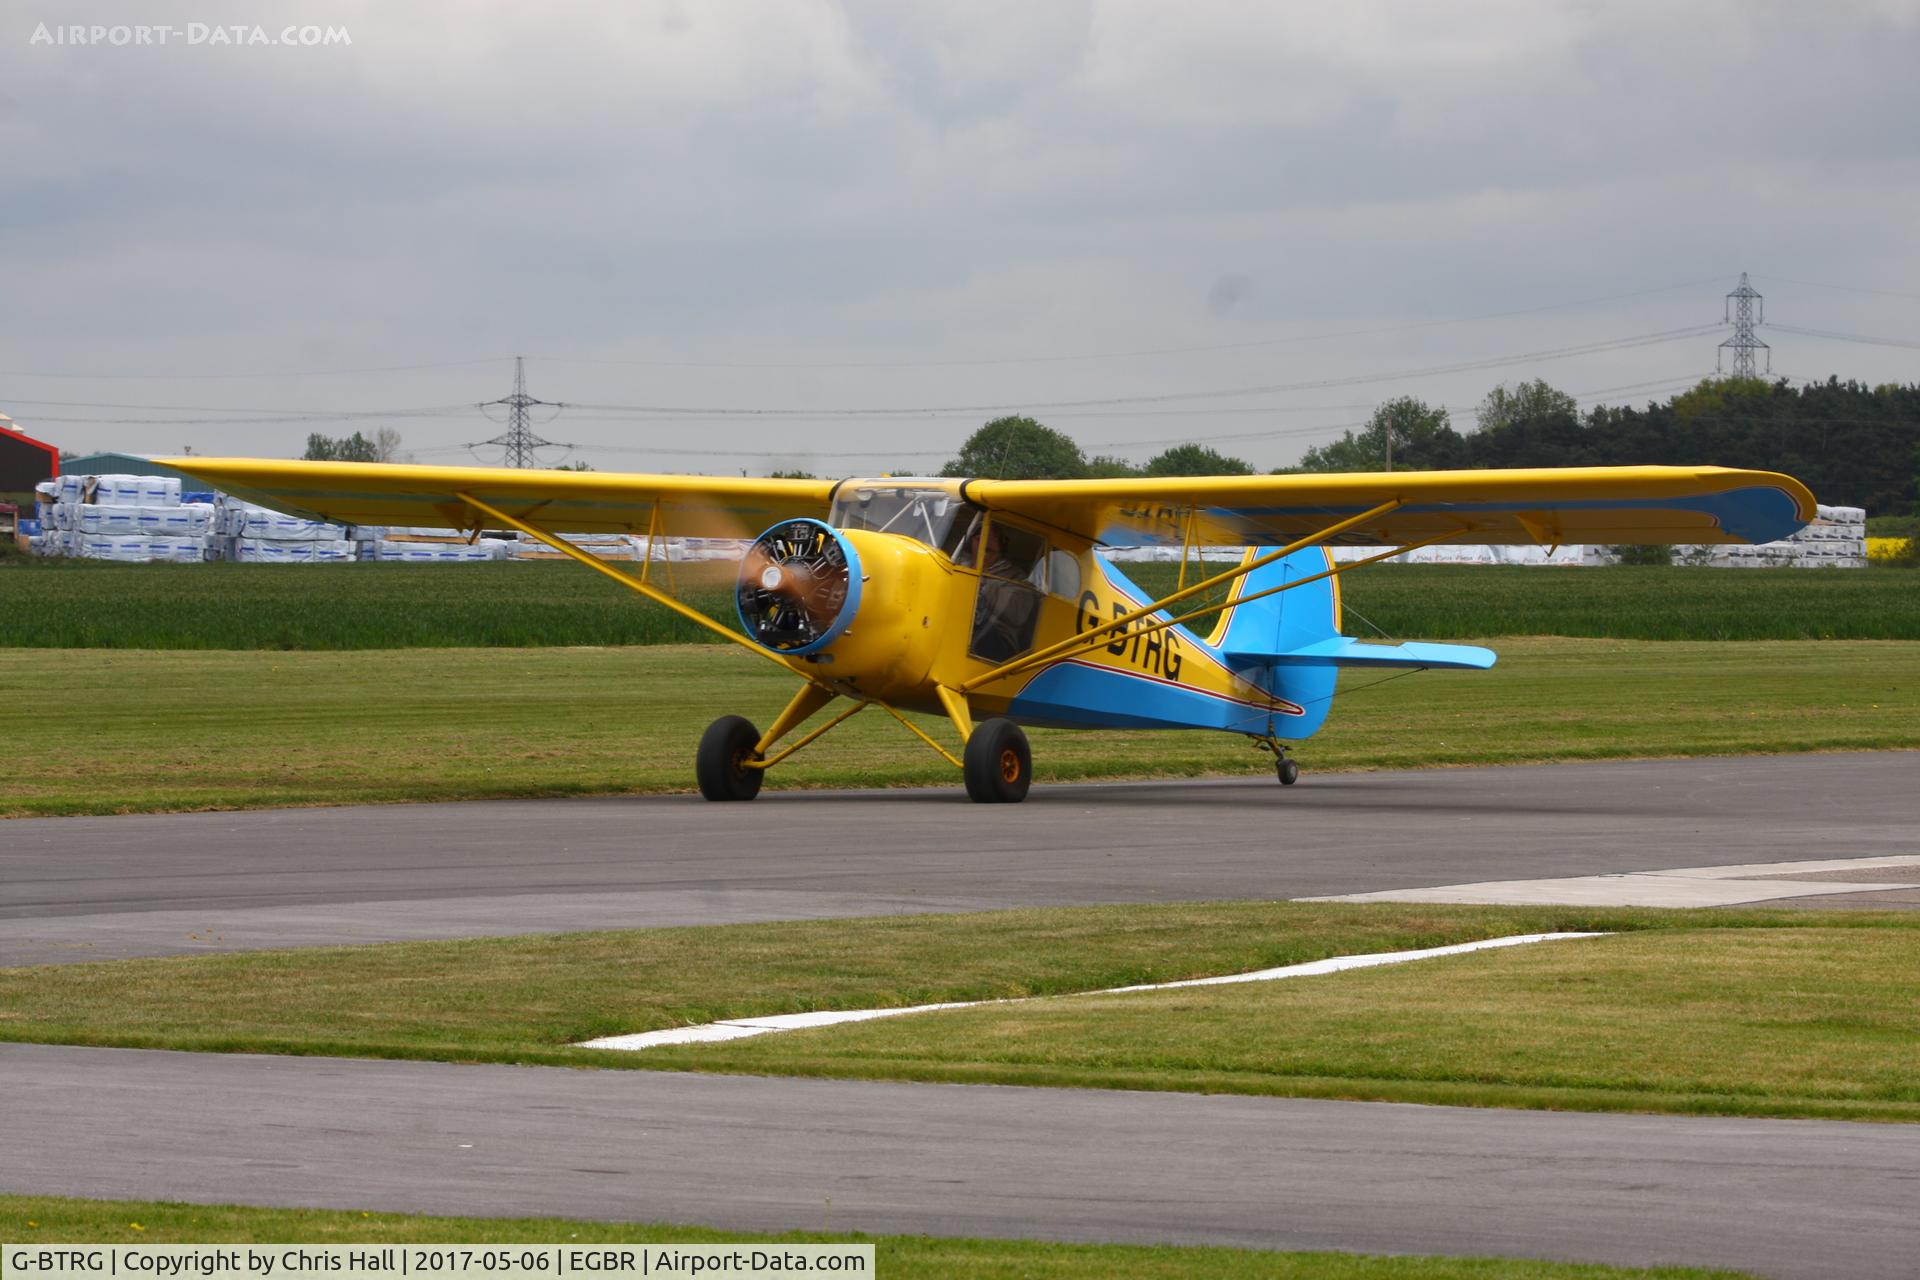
1288 771
728 742
999 764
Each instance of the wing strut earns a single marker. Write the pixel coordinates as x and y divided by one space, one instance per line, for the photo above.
646 589
1337 569
1086 639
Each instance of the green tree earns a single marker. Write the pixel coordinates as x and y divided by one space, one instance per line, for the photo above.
353 448
1422 435
1527 402
1104 466
1531 425
578 464
1196 460
1018 448
791 475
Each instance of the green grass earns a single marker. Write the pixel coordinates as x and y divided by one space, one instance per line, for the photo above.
35 1220
1783 1013
110 731
1798 1021
65 604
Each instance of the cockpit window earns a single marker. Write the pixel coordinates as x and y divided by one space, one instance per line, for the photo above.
924 512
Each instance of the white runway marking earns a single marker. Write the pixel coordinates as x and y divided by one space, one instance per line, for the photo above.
740 1028
1681 887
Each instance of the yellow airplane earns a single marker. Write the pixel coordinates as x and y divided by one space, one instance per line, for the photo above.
984 601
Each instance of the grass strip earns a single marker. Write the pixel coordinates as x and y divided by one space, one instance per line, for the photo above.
35 1220
111 731
1807 1022
1723 1012
80 604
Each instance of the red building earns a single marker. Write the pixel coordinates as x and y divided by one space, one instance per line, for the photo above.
24 461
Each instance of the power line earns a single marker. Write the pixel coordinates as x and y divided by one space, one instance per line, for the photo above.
1673 383
241 377
1849 288
1849 337
289 418
1318 384
435 409
596 412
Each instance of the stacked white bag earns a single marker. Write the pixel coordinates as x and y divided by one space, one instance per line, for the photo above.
411 545
259 535
436 552
601 546
129 518
1837 539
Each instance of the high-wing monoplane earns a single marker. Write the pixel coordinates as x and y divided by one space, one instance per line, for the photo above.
987 603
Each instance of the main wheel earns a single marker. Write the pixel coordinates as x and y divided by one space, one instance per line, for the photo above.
720 764
1288 771
999 764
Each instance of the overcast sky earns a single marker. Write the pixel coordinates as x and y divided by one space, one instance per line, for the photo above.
828 207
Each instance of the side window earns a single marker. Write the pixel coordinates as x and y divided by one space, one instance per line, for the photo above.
1013 572
1009 552
1014 553
1063 575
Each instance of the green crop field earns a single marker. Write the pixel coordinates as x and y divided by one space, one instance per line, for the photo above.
90 605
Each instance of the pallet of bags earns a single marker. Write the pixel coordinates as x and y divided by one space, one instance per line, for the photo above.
45 495
408 533
132 491
244 520
183 521
291 551
433 552
601 546
138 548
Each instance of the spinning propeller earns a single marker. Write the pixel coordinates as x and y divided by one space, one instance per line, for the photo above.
799 586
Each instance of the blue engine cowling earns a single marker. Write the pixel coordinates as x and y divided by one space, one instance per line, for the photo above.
799 587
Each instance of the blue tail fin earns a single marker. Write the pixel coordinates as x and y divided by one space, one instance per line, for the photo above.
1290 644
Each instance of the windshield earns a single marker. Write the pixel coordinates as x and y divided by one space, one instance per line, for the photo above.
923 510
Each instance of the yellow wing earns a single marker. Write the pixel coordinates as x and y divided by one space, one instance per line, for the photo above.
373 493
1550 506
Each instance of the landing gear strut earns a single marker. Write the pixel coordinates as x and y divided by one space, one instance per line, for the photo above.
999 764
720 764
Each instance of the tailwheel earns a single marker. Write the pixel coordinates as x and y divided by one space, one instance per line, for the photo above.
1287 770
720 764
999 764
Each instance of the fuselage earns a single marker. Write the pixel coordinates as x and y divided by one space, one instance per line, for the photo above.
935 610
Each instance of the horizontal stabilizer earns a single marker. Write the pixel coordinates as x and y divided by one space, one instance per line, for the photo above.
1343 652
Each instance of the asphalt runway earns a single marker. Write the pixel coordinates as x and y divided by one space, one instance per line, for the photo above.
1796 1199
108 888
1781 1198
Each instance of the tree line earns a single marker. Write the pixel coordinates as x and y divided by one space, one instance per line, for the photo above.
1853 445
